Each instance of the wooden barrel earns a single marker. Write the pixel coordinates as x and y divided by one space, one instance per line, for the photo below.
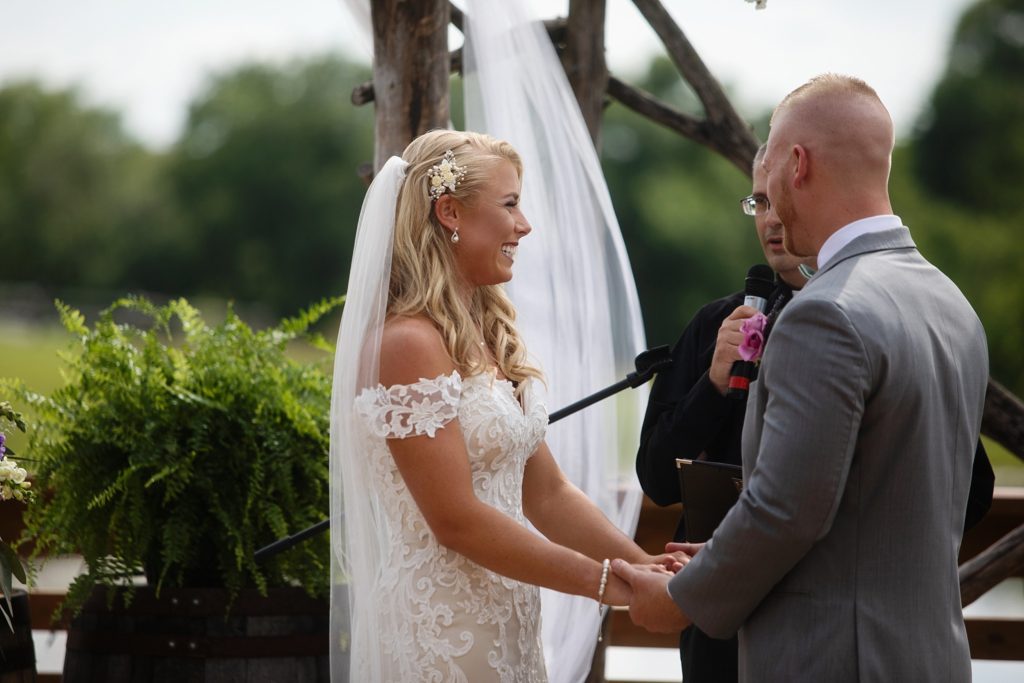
188 635
17 654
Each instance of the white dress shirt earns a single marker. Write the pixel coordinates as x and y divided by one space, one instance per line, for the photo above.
851 231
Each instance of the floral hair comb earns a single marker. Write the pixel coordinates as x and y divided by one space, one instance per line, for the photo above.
445 177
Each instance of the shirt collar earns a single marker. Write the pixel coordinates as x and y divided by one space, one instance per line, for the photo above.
851 231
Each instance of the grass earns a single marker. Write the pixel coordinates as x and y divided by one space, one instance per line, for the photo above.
1009 468
29 353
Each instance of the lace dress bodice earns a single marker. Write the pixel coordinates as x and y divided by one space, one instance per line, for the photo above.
443 617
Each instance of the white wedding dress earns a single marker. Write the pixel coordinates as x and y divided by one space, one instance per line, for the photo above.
443 618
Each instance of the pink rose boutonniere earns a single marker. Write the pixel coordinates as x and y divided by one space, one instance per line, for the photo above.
753 337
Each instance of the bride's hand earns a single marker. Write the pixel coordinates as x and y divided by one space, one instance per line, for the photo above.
672 561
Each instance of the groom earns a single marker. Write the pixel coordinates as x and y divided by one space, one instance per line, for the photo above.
839 562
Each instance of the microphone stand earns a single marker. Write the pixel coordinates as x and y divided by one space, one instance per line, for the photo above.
647 364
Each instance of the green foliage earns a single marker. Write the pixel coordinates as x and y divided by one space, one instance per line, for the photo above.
257 202
970 146
678 206
179 449
980 252
78 201
957 183
265 175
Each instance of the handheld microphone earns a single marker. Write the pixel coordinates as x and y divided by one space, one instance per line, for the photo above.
759 285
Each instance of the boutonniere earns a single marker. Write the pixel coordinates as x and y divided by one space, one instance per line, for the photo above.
753 337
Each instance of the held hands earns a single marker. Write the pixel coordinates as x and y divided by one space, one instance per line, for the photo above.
650 605
617 593
727 347
686 549
672 559
676 556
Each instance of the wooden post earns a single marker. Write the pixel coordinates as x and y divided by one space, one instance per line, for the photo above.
1004 418
1003 559
410 71
584 62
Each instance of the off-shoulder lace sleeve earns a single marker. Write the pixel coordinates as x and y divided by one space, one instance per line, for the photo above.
403 410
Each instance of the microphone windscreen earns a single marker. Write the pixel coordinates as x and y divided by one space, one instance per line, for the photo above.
760 281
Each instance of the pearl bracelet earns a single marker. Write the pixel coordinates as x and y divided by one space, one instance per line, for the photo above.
605 566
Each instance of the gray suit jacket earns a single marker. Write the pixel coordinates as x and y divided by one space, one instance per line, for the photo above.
839 562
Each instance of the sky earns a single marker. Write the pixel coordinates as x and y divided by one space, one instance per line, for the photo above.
148 58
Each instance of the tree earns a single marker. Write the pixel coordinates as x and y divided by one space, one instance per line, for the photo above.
968 155
264 175
78 196
678 207
970 145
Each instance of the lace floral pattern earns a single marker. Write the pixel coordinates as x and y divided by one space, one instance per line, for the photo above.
404 409
443 618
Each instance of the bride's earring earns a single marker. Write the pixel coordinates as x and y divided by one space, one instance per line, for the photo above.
455 236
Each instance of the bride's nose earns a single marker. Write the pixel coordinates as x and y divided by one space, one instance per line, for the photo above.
523 227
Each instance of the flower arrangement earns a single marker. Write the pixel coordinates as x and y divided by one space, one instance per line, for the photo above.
13 486
175 449
752 345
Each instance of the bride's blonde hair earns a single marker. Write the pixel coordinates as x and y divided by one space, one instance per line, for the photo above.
424 280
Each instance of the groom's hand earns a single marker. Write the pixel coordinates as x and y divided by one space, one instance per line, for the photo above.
617 593
651 607
688 549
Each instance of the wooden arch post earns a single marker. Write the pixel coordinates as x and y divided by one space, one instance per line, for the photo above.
410 72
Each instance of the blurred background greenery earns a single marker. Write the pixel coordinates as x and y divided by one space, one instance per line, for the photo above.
257 200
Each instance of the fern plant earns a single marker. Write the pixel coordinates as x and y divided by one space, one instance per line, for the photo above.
178 449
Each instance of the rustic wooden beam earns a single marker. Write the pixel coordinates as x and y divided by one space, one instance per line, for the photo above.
1001 560
649 106
584 62
1004 418
410 71
458 19
1001 639
734 138
556 28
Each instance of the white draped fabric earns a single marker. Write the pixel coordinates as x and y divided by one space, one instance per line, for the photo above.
578 310
573 288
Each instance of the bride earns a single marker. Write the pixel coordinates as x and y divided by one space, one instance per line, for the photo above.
437 446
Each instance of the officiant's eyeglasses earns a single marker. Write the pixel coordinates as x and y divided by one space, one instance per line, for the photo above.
755 205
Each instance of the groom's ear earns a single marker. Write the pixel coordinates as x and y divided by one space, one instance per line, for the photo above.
800 169
446 210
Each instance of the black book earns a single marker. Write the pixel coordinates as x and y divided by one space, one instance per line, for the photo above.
708 490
